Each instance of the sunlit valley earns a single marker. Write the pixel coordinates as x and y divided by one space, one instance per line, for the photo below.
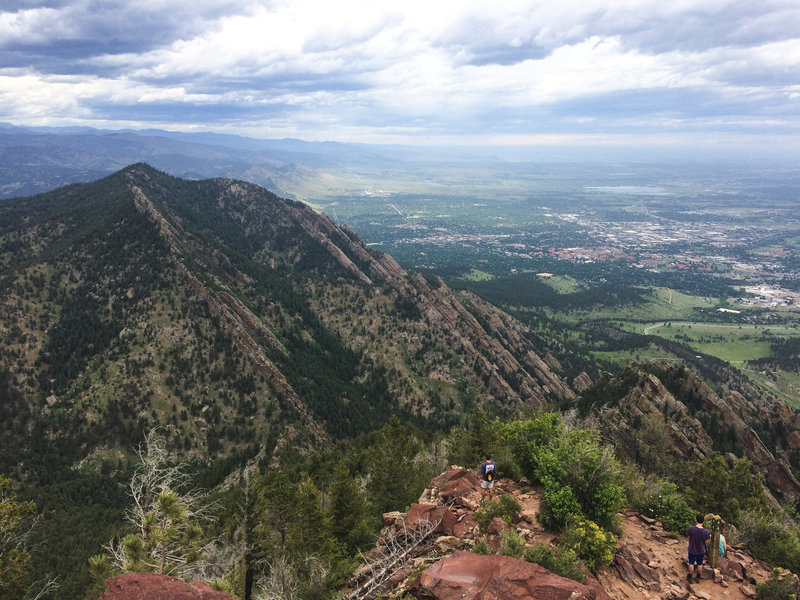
308 300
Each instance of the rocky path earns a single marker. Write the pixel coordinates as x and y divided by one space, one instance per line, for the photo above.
650 563
645 542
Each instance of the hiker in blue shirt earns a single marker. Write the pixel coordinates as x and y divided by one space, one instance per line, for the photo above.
488 473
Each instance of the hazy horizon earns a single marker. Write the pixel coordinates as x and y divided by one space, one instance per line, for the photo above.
703 77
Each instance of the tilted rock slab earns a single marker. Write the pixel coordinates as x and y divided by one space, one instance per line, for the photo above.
152 586
470 576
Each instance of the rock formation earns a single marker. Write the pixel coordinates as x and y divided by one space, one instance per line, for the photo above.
426 552
470 576
152 586
734 415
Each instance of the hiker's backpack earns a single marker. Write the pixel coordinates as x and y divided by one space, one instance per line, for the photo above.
490 472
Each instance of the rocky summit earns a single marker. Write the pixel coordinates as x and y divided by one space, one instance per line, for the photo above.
426 552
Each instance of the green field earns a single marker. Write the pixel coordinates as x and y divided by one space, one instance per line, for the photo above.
783 384
476 275
657 307
731 343
678 317
563 284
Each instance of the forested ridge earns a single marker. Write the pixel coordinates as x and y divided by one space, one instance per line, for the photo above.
278 361
243 324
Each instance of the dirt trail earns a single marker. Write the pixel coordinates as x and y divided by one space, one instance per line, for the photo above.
663 553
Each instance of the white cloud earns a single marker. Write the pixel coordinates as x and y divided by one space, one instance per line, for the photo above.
32 26
416 66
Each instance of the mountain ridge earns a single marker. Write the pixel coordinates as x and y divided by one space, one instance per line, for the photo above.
257 266
247 327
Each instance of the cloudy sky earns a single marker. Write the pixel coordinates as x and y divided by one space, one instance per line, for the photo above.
640 72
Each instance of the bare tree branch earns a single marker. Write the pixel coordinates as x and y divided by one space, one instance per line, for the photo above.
165 514
393 553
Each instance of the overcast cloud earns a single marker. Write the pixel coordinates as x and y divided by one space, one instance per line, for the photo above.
636 71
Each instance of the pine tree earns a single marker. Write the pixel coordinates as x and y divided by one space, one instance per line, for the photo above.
317 559
350 521
167 534
16 523
309 529
746 489
279 500
395 480
708 486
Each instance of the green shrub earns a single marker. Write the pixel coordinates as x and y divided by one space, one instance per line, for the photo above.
578 461
557 505
529 437
607 499
507 466
482 547
667 505
563 562
772 537
511 544
778 588
506 507
727 492
592 545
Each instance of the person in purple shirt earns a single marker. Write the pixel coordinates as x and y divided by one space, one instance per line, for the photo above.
699 538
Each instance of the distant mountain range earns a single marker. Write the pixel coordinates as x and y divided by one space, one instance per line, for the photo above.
35 160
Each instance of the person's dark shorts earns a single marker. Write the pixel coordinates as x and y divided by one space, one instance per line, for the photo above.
696 559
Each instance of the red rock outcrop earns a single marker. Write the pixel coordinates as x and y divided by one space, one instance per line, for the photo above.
649 398
470 576
649 563
489 342
634 568
455 484
152 586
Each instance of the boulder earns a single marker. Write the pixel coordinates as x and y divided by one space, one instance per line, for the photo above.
443 518
152 586
636 569
470 576
732 568
497 526
447 544
398 577
464 525
392 519
455 483
676 593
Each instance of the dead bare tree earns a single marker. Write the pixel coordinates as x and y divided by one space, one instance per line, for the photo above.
166 514
395 552
282 582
